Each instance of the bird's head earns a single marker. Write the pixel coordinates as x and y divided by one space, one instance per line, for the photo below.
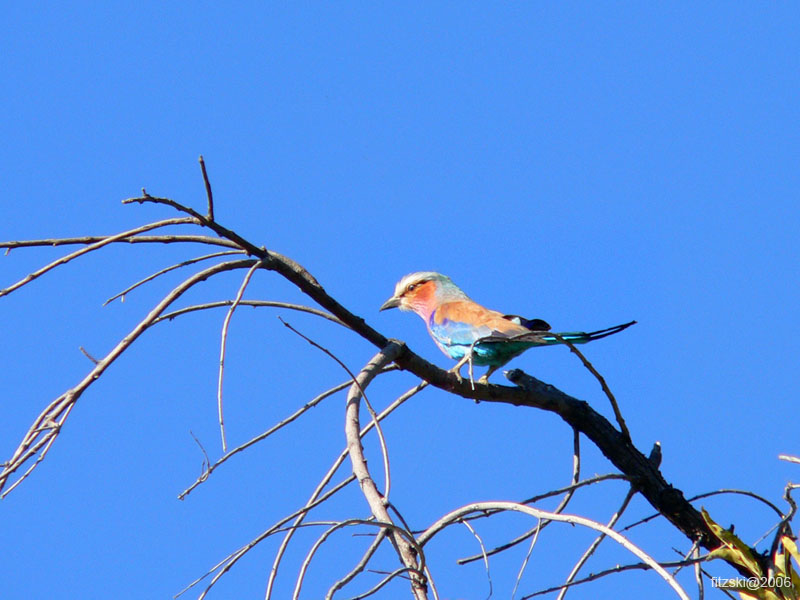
422 292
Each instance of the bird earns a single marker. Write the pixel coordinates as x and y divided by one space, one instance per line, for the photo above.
468 332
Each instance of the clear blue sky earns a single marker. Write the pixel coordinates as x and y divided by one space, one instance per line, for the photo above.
579 164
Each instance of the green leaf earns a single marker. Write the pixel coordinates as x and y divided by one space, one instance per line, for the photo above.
733 550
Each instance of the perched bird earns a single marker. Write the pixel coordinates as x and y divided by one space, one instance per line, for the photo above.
463 328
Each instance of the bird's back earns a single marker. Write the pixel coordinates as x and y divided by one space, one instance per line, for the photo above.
456 325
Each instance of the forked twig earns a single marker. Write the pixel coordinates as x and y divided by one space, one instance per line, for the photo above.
295 415
335 527
326 479
530 532
227 563
378 586
48 424
94 246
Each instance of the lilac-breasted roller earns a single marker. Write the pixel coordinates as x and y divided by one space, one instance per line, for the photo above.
461 327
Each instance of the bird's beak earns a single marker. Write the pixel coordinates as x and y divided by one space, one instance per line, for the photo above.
392 302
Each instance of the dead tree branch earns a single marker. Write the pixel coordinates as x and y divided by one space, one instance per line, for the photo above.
409 555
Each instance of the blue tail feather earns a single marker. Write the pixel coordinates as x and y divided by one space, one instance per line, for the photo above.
580 337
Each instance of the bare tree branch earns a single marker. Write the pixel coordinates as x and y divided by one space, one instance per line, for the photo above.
294 416
335 527
202 220
326 479
255 304
373 414
136 239
48 424
185 263
227 563
529 533
569 490
96 245
407 552
615 445
459 513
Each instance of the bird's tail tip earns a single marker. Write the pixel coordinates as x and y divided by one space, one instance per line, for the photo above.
601 333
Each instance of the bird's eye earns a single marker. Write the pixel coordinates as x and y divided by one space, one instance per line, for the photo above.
412 287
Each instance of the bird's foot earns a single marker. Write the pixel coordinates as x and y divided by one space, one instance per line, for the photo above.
456 370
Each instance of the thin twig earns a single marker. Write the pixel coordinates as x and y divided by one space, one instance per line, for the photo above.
55 414
698 574
242 243
137 239
360 566
335 527
562 505
616 569
459 513
254 304
685 556
273 574
483 555
527 558
377 587
294 416
617 413
87 355
229 561
373 414
94 246
209 195
706 495
593 546
206 460
222 347
191 261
